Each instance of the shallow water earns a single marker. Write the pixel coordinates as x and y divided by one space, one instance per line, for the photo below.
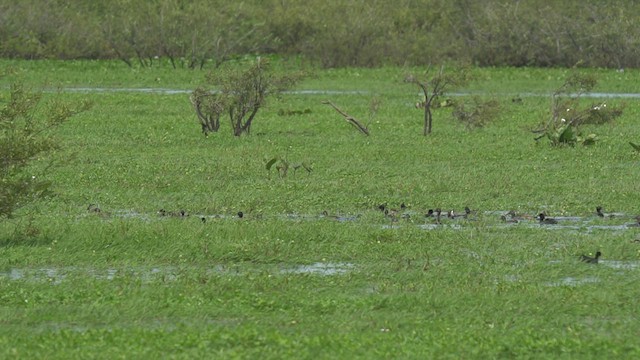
320 268
167 91
571 281
619 264
56 275
587 224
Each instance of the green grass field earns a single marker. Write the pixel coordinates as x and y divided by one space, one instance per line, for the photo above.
285 281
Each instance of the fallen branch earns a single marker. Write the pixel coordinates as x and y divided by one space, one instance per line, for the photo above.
350 119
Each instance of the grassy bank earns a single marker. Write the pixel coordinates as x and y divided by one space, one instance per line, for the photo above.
127 282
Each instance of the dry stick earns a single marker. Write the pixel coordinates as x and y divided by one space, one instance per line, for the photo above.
350 119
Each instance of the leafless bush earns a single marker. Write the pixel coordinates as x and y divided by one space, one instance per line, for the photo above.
478 113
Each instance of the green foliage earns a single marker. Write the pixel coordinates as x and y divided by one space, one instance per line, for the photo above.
242 92
25 137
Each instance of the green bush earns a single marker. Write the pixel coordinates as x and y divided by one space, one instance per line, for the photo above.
26 136
242 92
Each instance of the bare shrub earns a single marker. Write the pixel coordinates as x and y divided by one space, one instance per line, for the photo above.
209 107
476 114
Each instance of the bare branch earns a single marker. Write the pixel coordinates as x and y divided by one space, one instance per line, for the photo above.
350 119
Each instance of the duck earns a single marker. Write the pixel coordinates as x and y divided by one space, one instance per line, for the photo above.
240 214
601 214
452 215
467 211
181 213
93 208
325 214
589 259
438 213
391 214
636 224
544 220
510 220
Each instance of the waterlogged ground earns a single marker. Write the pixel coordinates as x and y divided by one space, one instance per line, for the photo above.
314 269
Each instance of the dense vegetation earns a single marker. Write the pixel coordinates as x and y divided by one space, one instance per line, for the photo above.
333 34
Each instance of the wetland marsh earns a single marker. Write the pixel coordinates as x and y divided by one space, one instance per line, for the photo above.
314 269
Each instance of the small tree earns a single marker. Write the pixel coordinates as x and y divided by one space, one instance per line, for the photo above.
25 135
435 87
241 93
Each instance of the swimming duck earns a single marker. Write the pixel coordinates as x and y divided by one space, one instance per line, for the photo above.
601 214
93 208
181 213
467 211
240 214
511 220
438 213
544 220
452 215
325 214
589 259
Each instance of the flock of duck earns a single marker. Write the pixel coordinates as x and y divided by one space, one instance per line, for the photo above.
510 217
437 215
